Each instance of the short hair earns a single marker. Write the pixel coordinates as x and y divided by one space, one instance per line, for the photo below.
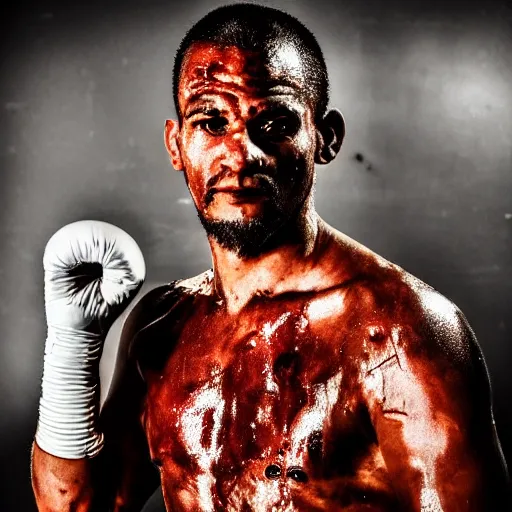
256 28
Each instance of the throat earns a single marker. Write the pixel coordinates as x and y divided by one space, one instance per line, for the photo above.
238 282
291 267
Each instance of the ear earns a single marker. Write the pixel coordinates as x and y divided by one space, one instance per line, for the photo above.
330 132
171 143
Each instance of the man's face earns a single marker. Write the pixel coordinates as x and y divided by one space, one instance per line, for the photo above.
247 139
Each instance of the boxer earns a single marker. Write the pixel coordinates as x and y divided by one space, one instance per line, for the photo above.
303 372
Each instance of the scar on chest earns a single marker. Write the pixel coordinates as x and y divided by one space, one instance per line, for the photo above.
384 374
379 347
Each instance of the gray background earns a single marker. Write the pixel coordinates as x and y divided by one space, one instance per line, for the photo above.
85 88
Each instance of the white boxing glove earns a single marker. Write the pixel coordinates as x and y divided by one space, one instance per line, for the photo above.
92 270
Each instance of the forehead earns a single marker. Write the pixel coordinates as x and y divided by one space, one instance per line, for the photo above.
209 67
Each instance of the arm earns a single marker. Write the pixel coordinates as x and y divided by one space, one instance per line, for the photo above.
121 477
431 408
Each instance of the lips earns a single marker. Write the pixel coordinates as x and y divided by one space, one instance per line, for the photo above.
238 195
240 191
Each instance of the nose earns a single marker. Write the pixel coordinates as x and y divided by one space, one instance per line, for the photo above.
243 154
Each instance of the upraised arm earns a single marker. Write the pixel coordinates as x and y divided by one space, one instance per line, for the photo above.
80 461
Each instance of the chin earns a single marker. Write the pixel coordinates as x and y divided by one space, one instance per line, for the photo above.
247 236
239 213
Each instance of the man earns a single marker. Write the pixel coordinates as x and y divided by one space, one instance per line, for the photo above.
304 372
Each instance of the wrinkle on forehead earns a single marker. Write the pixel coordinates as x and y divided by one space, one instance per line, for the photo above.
208 66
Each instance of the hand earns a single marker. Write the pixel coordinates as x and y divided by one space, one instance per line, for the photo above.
92 272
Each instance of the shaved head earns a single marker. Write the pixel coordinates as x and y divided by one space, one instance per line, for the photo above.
268 32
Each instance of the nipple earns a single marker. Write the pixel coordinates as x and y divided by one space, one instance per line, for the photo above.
376 333
273 471
298 474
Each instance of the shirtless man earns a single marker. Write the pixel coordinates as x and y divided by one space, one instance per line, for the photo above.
304 372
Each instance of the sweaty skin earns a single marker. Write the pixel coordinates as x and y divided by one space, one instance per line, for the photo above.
354 397
314 376
344 384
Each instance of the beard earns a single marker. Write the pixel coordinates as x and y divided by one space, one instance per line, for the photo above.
248 238
251 238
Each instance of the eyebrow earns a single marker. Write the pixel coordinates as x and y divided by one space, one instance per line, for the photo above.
274 87
205 99
275 104
202 102
204 109
282 82
276 107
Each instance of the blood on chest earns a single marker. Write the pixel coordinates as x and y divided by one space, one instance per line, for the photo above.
268 385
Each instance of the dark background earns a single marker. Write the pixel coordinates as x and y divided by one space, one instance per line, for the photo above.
424 177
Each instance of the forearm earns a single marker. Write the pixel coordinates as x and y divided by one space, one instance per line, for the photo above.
119 479
62 485
67 444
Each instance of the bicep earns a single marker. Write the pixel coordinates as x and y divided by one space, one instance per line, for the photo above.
127 464
432 413
131 472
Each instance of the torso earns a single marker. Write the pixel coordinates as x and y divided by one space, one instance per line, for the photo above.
266 410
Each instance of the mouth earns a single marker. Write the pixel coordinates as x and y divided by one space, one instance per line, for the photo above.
238 195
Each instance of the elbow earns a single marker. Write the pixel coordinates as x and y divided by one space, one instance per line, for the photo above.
60 491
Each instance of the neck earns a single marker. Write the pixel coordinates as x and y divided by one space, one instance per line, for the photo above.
280 269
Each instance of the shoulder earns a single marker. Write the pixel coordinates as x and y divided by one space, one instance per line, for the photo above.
201 284
429 328
153 322
437 327
159 301
414 337
149 307
429 323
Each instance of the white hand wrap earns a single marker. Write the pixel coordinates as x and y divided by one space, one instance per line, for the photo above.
82 301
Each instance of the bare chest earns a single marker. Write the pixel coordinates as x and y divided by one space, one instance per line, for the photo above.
267 399
245 387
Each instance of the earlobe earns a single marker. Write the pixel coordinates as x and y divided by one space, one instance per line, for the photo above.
330 135
171 143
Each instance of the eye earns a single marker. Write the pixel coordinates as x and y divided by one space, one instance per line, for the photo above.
214 125
279 128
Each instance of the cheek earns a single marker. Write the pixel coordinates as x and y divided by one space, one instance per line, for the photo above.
306 140
298 159
196 165
195 149
306 145
197 157
204 150
202 158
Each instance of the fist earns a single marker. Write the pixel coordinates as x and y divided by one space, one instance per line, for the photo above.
92 270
